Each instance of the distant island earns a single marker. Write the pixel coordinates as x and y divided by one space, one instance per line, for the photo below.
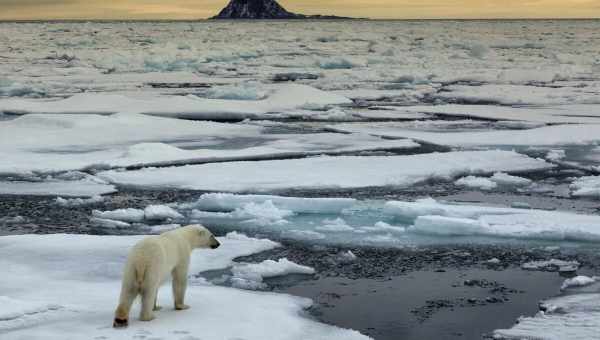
263 9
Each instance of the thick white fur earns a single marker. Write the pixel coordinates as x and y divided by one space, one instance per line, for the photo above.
149 265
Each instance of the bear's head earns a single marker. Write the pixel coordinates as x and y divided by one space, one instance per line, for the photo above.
202 238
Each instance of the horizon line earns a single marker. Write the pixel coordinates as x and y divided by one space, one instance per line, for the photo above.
299 20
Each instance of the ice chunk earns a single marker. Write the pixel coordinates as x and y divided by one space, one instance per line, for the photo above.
337 63
476 182
433 218
578 281
109 224
544 136
550 265
504 179
327 172
79 188
586 186
161 213
332 226
251 276
283 97
555 155
126 215
303 234
78 202
573 317
229 202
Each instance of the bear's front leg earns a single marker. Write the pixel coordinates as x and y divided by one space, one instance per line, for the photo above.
179 286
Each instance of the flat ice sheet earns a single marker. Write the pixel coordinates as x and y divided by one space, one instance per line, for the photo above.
281 98
60 142
327 172
580 134
573 113
67 286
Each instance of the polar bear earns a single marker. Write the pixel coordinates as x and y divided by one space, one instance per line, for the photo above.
149 264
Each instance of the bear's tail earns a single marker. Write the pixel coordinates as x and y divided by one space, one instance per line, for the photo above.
140 273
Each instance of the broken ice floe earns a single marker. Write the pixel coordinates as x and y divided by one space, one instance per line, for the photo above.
251 275
567 317
280 98
64 269
327 172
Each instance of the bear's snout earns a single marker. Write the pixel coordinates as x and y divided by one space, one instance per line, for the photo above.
215 245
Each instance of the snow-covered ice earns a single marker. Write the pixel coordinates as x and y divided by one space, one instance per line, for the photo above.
573 317
281 98
66 286
586 186
568 134
578 281
251 275
327 172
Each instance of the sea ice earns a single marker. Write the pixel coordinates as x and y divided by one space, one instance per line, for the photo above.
327 172
476 182
586 186
569 134
251 275
573 317
68 286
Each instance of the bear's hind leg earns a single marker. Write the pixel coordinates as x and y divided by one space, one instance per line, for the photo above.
128 295
148 303
180 286
156 306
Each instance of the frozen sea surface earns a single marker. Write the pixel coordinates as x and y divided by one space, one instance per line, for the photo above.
343 111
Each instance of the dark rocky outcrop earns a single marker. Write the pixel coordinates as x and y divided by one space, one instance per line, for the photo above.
263 9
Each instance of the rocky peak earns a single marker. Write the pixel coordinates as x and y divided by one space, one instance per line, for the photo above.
255 9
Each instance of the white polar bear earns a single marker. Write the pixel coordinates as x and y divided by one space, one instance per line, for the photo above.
149 264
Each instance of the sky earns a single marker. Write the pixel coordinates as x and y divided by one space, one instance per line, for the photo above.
377 9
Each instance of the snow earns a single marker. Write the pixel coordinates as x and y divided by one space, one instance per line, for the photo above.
572 113
573 317
476 182
498 179
555 155
572 134
578 281
332 226
126 215
281 98
161 213
327 172
229 202
504 179
588 186
251 275
550 265
51 143
78 202
109 224
68 285
430 217
78 188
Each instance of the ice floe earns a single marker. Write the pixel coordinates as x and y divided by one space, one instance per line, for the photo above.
280 98
586 186
579 134
68 285
573 317
251 275
327 172
434 218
